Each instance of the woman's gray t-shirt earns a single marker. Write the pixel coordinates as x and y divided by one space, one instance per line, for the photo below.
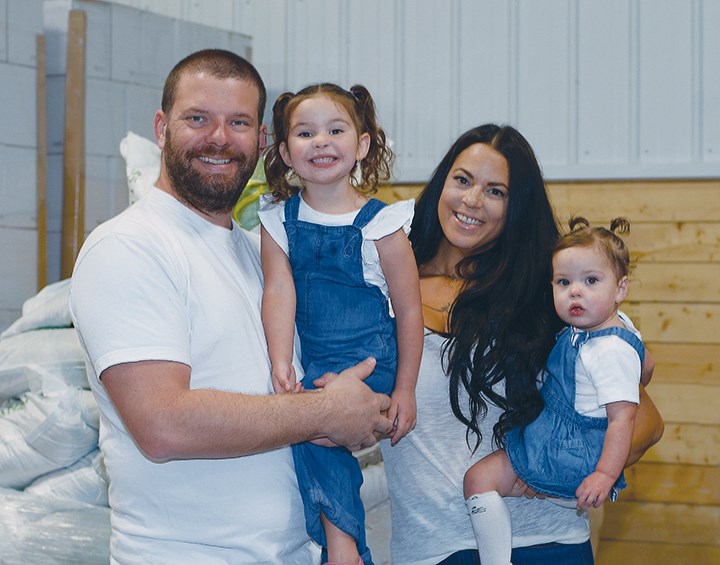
425 478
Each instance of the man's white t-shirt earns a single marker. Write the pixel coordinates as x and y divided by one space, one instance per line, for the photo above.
158 282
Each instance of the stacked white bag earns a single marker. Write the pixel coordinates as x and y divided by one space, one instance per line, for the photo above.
49 419
46 429
53 487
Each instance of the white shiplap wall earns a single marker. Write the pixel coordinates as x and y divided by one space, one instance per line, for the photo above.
129 54
20 23
601 88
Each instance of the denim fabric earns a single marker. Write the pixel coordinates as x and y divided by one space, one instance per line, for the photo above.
546 554
341 320
561 447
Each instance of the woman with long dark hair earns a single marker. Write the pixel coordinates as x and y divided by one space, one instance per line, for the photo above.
483 235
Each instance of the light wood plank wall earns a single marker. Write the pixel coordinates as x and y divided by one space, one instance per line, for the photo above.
671 511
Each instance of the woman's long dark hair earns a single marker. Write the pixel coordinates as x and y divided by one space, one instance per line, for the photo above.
502 324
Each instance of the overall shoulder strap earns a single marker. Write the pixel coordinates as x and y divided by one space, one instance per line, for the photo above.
627 336
291 208
368 212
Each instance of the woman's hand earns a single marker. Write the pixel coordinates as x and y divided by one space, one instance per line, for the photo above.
648 368
648 429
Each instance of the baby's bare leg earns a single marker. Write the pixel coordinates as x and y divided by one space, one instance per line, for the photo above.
485 484
493 472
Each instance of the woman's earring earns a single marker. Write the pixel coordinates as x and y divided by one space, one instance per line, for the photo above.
292 178
356 179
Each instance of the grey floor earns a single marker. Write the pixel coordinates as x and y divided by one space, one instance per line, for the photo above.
374 493
377 525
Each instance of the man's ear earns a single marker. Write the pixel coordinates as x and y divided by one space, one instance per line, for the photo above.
160 128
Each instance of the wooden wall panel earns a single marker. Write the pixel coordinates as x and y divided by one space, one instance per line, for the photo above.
671 282
691 444
656 202
686 363
677 323
614 552
679 484
640 201
691 404
684 524
675 242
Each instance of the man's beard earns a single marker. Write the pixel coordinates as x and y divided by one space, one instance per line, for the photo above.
210 194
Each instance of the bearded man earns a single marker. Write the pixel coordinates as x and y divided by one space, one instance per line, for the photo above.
166 300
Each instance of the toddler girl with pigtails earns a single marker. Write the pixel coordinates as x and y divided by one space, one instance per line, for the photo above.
338 267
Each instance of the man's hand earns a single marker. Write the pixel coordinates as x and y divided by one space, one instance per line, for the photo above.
358 413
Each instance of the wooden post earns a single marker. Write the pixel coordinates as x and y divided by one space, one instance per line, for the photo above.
73 217
41 164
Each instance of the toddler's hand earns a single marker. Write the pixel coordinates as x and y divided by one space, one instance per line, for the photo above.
403 414
594 489
284 379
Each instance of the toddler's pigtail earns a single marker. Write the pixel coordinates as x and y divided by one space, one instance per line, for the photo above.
377 165
620 225
622 253
578 223
581 234
276 170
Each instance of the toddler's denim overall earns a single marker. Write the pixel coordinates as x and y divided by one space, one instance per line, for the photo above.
340 320
561 447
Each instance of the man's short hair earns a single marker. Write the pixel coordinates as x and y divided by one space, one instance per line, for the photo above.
218 63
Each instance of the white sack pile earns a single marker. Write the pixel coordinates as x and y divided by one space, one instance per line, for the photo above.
35 530
53 487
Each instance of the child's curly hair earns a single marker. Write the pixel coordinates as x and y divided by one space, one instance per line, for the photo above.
608 241
359 105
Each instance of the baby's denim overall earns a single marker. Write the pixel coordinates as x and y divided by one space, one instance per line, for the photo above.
561 447
341 320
